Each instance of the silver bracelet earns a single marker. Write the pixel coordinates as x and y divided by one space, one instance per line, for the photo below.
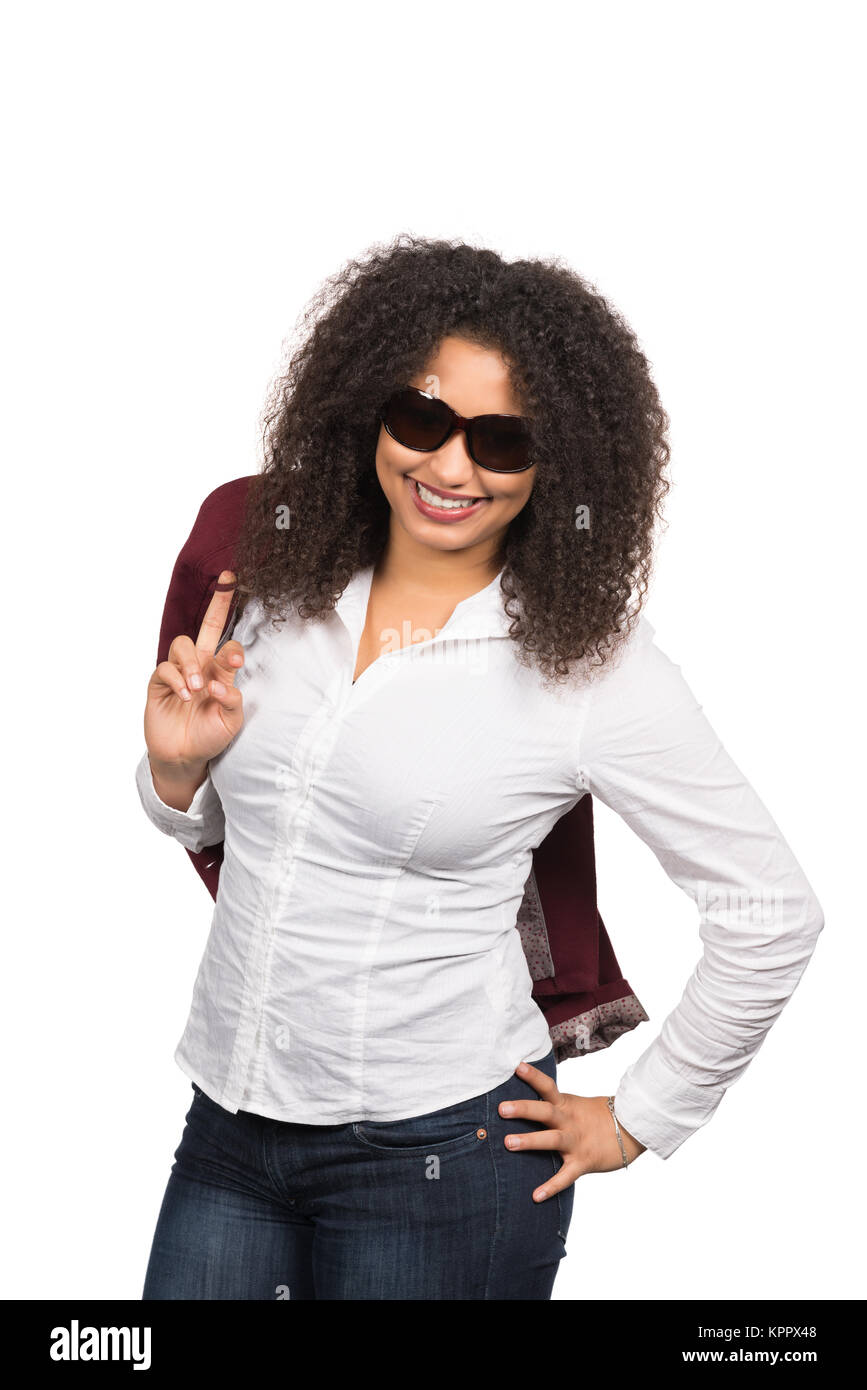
617 1128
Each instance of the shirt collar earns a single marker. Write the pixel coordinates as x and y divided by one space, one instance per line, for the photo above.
480 615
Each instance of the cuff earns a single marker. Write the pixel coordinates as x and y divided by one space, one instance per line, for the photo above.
203 822
661 1110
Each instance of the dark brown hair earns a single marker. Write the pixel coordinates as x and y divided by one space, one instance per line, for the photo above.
599 440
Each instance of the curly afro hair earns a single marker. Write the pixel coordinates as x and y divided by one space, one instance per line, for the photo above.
598 437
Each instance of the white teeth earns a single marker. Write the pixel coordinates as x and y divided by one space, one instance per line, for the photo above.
445 503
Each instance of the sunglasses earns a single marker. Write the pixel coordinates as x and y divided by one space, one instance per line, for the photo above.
500 443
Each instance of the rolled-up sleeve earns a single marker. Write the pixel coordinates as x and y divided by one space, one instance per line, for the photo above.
649 753
201 825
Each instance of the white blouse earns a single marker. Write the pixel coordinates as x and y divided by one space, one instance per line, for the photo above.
363 962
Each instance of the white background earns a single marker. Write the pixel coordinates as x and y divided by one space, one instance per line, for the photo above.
179 179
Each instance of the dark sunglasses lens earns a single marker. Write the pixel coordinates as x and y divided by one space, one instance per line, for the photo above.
416 421
501 443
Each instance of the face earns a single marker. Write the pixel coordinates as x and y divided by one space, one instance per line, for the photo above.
474 381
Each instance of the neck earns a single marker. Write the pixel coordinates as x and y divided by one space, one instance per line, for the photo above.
423 571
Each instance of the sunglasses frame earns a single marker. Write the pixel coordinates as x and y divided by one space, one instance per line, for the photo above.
457 422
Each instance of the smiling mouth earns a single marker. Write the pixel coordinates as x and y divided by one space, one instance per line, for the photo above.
446 504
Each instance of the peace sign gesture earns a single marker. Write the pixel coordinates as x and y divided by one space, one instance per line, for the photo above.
193 710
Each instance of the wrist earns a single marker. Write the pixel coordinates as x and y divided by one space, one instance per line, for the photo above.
177 770
176 783
628 1146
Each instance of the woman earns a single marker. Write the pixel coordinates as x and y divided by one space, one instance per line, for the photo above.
440 652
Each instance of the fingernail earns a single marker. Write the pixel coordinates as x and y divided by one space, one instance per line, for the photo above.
506 1108
218 687
196 682
185 694
512 1142
539 1196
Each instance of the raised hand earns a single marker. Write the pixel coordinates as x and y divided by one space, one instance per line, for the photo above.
193 709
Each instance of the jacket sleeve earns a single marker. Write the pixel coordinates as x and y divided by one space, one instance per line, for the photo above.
648 751
201 824
208 549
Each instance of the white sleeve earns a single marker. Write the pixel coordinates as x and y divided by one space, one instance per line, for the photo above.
649 753
202 824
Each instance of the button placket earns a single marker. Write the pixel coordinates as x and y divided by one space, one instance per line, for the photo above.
296 780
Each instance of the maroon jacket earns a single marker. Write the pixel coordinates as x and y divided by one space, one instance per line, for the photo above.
577 981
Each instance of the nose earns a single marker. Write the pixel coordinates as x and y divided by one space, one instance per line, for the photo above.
452 462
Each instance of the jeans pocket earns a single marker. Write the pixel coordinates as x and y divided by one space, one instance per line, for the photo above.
448 1131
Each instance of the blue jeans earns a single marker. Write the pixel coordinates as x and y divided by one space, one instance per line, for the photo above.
434 1207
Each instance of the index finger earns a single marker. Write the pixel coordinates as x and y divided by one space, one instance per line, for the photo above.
217 611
